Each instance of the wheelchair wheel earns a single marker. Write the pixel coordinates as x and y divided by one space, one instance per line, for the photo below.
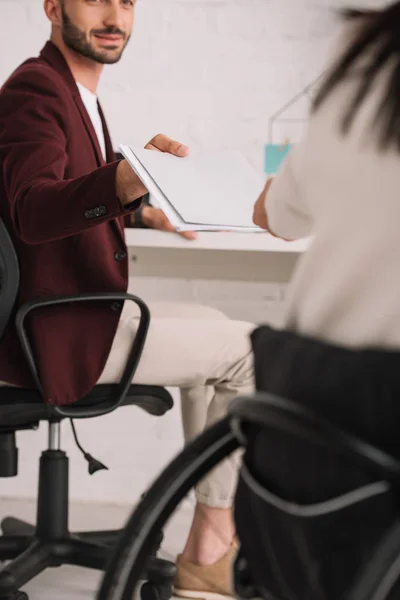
128 562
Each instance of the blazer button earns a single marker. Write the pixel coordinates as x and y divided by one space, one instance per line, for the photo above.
95 213
120 256
116 306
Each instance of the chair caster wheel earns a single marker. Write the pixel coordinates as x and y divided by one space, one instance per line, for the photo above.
151 591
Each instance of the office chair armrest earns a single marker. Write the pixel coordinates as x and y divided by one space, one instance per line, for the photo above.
289 417
131 363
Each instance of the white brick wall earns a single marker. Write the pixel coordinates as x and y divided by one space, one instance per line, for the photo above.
207 72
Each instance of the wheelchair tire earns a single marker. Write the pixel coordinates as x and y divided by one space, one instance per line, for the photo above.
128 561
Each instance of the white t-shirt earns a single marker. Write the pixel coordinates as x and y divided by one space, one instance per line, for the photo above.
90 101
345 193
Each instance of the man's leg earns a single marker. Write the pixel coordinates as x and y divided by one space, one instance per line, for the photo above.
191 353
212 529
196 400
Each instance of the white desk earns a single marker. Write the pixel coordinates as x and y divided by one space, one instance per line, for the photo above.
223 256
235 242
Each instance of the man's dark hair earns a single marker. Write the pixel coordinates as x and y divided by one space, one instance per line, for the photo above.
379 36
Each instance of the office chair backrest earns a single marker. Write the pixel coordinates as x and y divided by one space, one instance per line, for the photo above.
9 277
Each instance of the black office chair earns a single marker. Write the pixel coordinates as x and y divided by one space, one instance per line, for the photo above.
49 543
317 510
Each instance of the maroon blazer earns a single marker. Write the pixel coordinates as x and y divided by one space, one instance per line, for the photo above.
58 201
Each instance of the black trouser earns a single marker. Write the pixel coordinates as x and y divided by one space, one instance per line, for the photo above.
318 557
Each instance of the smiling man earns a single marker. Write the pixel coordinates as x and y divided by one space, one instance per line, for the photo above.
103 45
65 201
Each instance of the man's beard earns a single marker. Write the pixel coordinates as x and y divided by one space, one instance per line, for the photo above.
76 40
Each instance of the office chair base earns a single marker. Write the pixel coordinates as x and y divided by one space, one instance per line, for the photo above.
30 557
32 549
12 526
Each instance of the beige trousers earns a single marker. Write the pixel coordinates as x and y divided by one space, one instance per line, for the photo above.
207 356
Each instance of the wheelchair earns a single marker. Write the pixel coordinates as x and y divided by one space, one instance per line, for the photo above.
316 509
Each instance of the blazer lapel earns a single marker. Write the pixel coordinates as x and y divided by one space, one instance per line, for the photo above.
90 129
110 154
53 56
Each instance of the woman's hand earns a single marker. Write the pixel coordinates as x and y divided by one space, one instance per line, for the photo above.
260 214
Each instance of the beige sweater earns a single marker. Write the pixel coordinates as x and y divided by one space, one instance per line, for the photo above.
346 194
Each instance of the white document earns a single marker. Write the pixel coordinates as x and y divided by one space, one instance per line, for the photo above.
205 191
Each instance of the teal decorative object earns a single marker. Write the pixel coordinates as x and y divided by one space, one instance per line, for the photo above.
274 156
275 153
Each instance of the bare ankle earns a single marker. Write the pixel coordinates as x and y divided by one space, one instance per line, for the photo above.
210 536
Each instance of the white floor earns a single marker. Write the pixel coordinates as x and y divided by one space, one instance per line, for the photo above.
74 583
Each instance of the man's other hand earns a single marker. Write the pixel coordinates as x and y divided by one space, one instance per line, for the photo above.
128 185
156 219
162 143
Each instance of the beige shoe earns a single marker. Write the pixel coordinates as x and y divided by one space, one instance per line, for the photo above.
211 582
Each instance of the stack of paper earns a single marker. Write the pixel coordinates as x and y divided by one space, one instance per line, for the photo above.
205 191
